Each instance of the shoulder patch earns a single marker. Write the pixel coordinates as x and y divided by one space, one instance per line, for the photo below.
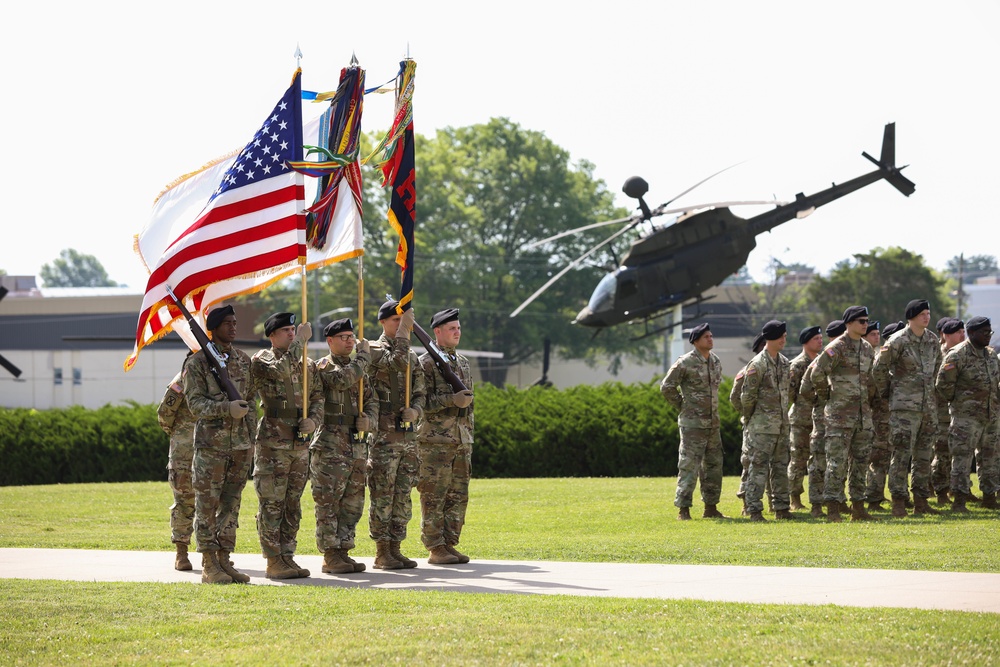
751 371
831 352
948 366
323 363
176 387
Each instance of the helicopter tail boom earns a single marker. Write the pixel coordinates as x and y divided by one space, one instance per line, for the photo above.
887 162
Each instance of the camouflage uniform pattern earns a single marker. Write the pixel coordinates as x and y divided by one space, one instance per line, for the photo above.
969 380
223 447
393 467
177 422
764 400
881 453
909 364
816 466
941 463
692 386
843 377
800 425
734 398
337 456
445 453
281 462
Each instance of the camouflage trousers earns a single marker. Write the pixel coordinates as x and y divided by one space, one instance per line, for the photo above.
768 461
337 478
911 434
181 480
745 474
798 457
392 473
968 436
219 478
847 452
279 477
699 458
445 471
817 458
941 463
878 470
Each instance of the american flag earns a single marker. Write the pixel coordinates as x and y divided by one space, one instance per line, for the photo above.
250 232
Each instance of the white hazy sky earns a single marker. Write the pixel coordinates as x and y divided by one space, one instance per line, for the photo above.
108 102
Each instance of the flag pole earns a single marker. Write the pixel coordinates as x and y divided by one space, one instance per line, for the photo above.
361 328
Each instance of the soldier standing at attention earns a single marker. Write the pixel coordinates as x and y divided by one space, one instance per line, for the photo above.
878 460
445 446
692 386
765 408
969 379
392 459
800 414
817 441
340 451
734 398
842 377
177 422
909 363
223 440
281 463
951 333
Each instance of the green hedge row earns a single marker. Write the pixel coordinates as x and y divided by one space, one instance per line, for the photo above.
611 430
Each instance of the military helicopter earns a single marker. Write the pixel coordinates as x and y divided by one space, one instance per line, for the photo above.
675 264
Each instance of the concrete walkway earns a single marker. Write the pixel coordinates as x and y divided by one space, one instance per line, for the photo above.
961 591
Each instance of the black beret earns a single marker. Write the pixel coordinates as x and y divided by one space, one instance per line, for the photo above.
773 330
444 316
216 316
808 334
854 313
891 328
758 343
387 310
940 324
953 326
916 307
872 326
977 322
835 328
698 331
277 321
337 326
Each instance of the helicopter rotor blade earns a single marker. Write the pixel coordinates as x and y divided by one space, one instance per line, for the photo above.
572 265
720 204
707 178
579 229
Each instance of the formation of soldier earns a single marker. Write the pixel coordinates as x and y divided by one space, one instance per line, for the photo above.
382 419
898 406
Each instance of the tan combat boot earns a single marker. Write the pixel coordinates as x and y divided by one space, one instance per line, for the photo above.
990 501
833 511
757 517
211 573
334 564
383 557
958 505
277 568
712 512
227 566
795 502
875 506
859 513
408 563
181 561
921 506
441 556
817 511
942 498
684 514
462 558
782 515
345 556
303 572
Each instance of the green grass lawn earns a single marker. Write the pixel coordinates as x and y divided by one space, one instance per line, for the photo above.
620 520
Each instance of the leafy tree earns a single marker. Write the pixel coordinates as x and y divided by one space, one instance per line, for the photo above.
885 280
74 269
972 267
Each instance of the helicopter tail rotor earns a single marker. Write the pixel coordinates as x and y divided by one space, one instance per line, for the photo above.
887 162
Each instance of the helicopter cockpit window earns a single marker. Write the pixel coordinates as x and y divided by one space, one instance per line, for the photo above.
603 297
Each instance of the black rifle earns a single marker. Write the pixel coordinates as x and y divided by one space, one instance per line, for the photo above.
439 360
216 360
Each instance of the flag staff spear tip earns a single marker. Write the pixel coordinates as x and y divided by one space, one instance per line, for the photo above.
354 60
298 56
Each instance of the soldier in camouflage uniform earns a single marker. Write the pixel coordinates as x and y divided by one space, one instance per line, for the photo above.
842 377
393 467
339 453
223 441
764 400
734 398
909 363
281 462
951 332
445 446
800 414
878 460
178 423
969 380
692 386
